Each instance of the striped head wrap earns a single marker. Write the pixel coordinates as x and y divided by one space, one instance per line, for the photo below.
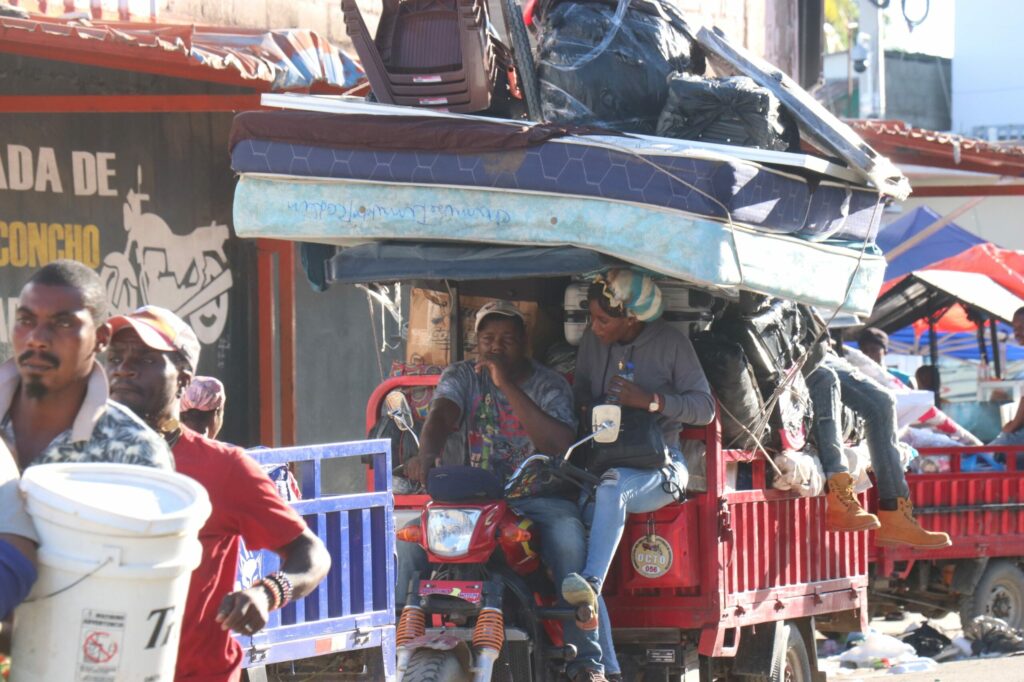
633 292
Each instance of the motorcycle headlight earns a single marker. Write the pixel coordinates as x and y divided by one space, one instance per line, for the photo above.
449 531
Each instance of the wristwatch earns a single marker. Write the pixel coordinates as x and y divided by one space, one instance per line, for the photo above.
655 404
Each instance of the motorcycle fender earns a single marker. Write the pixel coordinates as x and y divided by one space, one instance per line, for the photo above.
441 641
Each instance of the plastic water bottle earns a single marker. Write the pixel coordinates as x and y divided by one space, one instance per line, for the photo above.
626 371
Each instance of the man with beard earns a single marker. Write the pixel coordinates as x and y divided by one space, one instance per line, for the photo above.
152 359
54 405
54 397
506 407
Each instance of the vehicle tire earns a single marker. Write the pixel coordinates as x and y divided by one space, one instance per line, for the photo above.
794 665
429 665
522 54
1000 593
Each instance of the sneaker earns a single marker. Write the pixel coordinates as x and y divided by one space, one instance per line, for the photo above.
613 677
579 591
588 675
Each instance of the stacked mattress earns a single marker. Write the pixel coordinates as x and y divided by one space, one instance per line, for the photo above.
665 175
681 209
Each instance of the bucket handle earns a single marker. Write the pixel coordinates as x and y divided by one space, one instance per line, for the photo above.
189 563
64 589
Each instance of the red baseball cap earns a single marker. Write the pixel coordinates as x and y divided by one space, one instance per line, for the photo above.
160 329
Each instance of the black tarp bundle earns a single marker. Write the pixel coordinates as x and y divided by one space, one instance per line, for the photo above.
732 379
607 64
732 110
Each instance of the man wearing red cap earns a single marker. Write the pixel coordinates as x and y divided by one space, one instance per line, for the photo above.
152 359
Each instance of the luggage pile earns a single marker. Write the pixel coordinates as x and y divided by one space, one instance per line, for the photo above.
634 66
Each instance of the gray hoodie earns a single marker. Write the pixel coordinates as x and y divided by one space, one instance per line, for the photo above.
664 362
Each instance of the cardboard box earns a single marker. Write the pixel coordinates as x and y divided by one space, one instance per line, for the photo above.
429 339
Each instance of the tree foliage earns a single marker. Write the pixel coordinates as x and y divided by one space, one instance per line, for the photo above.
839 14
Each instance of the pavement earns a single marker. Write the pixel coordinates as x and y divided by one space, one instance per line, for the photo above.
996 669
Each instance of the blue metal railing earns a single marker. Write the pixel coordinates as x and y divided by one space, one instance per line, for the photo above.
354 607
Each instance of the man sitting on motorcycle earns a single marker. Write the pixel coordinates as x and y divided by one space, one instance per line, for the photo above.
506 407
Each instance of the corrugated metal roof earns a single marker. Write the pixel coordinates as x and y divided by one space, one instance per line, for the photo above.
279 60
906 144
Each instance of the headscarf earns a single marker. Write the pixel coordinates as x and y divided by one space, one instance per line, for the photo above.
634 292
205 394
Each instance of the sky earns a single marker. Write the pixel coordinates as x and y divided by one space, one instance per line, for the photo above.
934 36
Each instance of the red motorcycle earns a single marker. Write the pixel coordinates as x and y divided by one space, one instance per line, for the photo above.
487 610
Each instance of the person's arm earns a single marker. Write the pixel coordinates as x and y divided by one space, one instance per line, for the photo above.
548 434
442 421
690 401
1017 422
304 563
583 389
17 571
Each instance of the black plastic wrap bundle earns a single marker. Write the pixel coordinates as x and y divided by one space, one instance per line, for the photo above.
732 379
607 65
774 337
732 110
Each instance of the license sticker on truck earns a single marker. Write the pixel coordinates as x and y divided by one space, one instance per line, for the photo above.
652 556
471 592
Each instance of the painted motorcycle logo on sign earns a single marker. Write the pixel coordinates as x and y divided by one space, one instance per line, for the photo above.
187 274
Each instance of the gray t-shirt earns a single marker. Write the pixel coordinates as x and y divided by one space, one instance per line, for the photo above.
491 435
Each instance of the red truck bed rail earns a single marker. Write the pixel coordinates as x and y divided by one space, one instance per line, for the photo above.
983 511
745 557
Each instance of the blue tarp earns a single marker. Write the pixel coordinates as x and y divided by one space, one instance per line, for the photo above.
949 241
962 345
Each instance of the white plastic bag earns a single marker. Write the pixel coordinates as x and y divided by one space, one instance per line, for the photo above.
876 647
801 472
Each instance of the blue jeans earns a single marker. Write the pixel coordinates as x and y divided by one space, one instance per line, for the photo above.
833 382
1012 438
563 550
623 491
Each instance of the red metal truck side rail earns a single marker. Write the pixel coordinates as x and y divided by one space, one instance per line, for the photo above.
983 512
761 555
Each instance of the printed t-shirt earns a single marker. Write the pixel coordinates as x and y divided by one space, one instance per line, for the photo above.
493 436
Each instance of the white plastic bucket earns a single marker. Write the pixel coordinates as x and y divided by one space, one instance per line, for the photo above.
118 544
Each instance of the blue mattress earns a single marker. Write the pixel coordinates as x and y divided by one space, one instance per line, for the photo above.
716 187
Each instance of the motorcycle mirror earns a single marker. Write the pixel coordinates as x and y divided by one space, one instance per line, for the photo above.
605 421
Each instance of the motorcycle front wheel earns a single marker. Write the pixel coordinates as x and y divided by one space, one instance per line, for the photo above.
430 665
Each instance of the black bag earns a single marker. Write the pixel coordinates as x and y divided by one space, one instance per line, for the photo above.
732 111
729 373
623 86
640 445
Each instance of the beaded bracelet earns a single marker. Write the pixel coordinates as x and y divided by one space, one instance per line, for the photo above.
284 585
274 591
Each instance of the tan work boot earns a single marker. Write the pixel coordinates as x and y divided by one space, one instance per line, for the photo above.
843 512
900 528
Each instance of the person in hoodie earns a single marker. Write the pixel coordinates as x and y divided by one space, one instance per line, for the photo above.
626 338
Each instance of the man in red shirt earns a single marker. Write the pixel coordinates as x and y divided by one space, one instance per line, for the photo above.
151 360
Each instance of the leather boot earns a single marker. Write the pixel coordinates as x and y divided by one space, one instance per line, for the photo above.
900 528
843 512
